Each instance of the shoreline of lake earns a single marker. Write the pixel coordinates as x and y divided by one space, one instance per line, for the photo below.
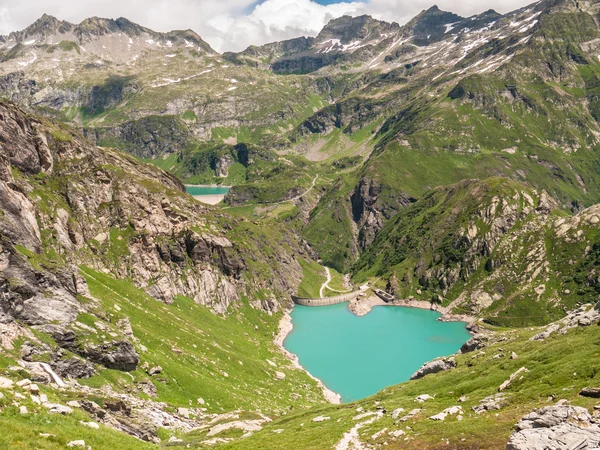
363 306
285 328
210 198
208 186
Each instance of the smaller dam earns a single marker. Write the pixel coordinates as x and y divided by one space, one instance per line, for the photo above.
326 301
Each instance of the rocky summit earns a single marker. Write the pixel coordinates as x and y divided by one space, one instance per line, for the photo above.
449 163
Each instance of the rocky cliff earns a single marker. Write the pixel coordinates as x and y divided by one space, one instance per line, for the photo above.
491 248
68 204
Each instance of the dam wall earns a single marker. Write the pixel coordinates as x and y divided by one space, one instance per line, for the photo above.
326 301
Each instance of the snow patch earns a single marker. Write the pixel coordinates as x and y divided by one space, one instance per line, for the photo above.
168 81
528 27
450 27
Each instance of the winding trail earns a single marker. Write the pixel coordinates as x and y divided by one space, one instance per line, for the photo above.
314 181
351 439
326 284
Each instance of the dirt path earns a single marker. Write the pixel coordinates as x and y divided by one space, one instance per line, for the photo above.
298 197
326 284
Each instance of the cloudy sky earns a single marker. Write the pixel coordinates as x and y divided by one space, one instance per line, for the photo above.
235 24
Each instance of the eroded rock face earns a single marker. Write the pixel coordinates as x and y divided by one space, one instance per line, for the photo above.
118 355
161 253
370 212
74 368
556 427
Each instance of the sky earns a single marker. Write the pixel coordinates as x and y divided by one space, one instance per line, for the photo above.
233 25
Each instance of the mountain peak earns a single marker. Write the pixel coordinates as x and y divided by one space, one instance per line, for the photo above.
348 29
44 26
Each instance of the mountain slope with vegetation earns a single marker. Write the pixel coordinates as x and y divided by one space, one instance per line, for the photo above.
450 161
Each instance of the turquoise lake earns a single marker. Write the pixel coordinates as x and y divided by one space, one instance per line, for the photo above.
358 356
207 190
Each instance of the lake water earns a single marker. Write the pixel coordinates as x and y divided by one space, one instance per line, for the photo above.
358 356
207 190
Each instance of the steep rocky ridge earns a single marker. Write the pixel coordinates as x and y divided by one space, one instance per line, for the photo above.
82 204
490 248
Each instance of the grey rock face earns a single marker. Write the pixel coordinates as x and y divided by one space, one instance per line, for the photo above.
475 343
73 368
119 355
222 165
370 213
556 427
580 317
439 365
148 137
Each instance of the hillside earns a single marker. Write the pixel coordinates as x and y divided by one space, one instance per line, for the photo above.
493 249
453 162
107 263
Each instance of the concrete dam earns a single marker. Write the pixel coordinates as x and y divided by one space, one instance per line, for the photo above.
327 300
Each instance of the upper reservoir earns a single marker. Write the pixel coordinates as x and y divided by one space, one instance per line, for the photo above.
208 194
358 356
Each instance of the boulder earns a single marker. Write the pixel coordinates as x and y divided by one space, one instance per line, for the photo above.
321 419
279 375
512 378
154 371
475 343
423 398
447 412
439 365
491 403
590 392
5 383
185 412
55 408
397 413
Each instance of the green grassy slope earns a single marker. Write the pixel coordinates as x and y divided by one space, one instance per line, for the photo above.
558 368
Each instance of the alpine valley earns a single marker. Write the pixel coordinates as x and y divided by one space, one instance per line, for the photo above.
450 163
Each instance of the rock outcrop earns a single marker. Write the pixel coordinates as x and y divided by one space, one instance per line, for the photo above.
583 316
66 203
556 427
436 366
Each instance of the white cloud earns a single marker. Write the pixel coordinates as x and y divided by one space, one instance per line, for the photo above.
234 24
275 20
